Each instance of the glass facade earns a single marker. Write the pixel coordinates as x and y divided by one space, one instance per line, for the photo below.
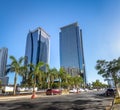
37 47
3 61
71 50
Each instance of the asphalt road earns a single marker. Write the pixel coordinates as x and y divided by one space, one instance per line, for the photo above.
82 101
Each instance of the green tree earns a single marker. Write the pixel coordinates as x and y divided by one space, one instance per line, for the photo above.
16 67
70 82
78 80
36 72
102 67
52 74
62 76
48 75
0 84
109 69
97 84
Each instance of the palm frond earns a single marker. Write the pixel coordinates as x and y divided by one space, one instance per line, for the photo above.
21 59
40 64
13 58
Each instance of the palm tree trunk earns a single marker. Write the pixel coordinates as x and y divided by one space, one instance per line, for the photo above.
117 89
48 82
34 85
34 88
15 80
59 83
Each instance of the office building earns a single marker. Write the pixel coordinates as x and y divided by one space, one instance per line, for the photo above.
3 63
37 47
71 50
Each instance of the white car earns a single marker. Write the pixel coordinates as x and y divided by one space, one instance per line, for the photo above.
73 91
8 89
31 89
81 90
20 89
86 90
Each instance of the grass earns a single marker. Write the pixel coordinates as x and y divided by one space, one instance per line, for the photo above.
117 100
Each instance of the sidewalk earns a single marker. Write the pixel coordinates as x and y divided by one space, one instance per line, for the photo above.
116 107
9 98
21 97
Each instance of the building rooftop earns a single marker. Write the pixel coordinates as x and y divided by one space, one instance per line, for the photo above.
73 24
39 28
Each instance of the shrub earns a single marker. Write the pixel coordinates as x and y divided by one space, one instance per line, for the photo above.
117 101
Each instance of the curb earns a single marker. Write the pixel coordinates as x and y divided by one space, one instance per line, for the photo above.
109 106
112 104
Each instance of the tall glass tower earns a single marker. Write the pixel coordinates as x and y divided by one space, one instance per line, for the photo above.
3 61
37 47
71 50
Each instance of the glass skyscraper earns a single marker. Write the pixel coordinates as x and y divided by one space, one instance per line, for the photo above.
37 47
3 61
71 50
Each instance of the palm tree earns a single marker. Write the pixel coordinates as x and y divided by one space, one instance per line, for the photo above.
51 75
17 67
77 81
0 84
43 83
63 77
48 75
36 71
28 79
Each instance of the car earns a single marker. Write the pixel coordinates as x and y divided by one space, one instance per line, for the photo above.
31 89
86 90
20 89
7 89
81 90
53 92
73 90
109 92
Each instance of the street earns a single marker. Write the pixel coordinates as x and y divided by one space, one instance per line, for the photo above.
81 101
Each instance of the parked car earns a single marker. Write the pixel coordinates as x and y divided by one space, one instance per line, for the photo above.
81 90
53 92
31 89
73 90
20 89
26 89
109 92
86 90
7 89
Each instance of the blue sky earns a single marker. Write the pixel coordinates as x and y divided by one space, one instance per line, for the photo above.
98 19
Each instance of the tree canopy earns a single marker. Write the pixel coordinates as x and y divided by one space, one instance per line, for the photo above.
109 69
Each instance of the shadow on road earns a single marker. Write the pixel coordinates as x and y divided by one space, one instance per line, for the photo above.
71 105
78 104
